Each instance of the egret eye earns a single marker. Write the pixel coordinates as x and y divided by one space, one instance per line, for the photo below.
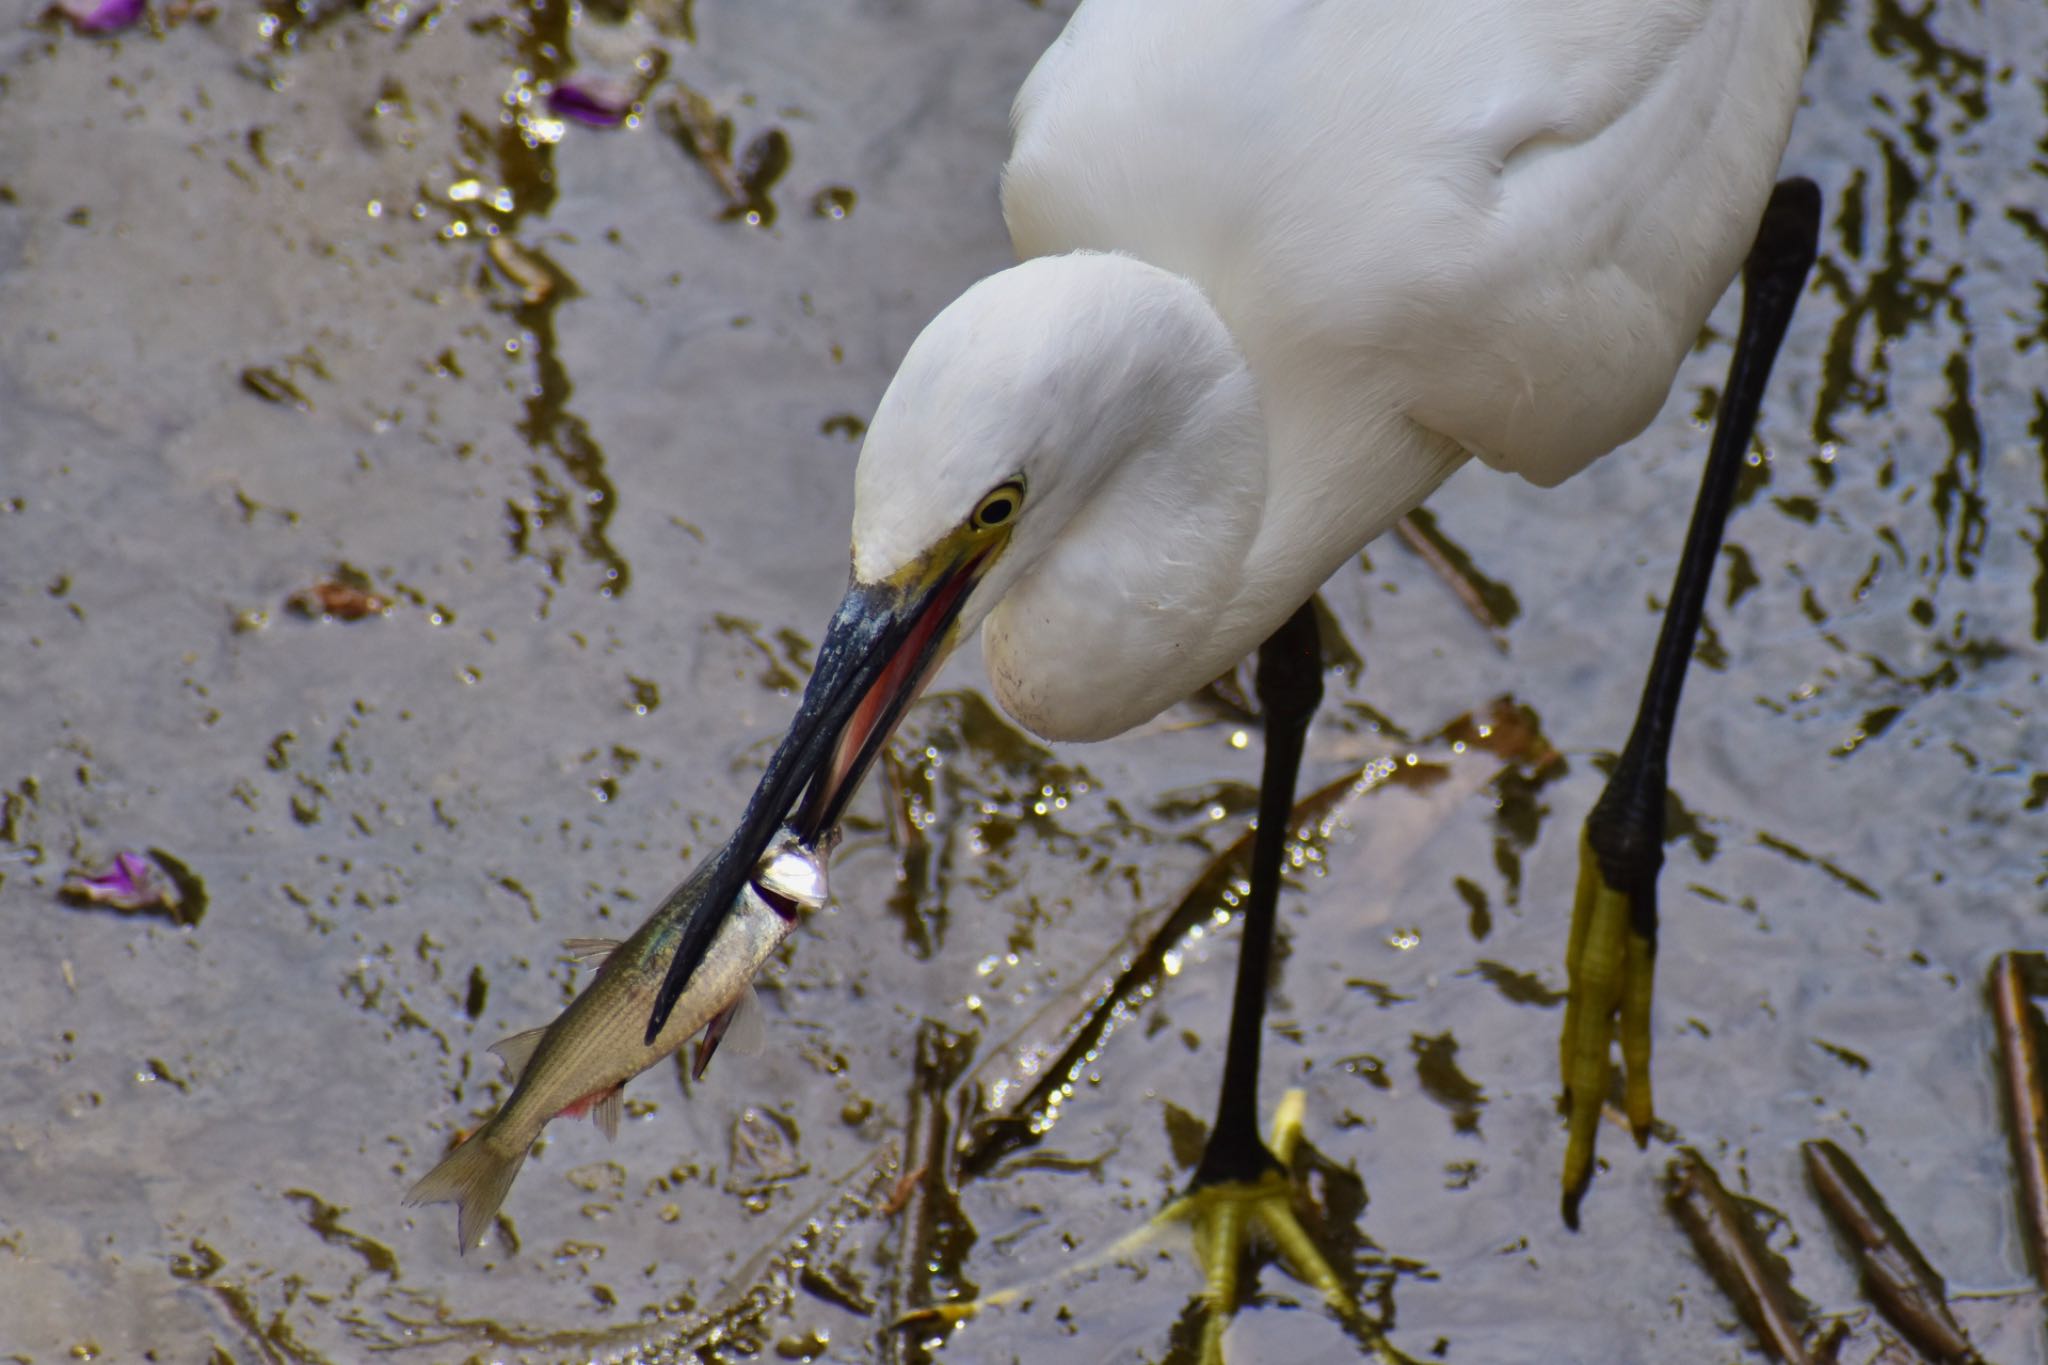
998 506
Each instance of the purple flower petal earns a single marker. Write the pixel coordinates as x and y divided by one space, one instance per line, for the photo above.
599 104
101 16
130 884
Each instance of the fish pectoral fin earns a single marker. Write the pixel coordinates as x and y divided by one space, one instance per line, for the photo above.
606 1112
740 1021
515 1052
747 1032
591 950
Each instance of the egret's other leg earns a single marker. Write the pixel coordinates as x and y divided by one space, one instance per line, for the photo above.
1613 944
1240 1189
1290 686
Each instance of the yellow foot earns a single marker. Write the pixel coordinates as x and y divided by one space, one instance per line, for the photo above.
1610 967
1224 1220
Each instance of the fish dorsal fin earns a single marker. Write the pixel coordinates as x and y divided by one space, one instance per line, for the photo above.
741 1021
605 1113
594 951
515 1052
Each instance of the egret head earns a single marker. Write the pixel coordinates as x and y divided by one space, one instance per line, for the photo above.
1010 411
1008 414
1042 379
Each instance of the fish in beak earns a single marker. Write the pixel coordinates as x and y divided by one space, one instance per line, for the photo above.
881 647
580 1063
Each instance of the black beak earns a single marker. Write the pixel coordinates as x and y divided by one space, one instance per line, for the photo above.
882 644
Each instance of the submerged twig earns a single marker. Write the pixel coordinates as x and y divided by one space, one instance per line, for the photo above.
2015 979
1104 995
536 276
1728 1243
1418 532
931 1232
1896 1277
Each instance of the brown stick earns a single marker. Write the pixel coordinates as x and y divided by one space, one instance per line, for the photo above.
1896 1277
2020 1051
1461 585
1727 1242
931 1235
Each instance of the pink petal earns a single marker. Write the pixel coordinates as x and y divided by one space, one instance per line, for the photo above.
101 16
130 884
597 104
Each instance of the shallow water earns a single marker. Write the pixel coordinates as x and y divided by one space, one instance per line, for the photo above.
255 331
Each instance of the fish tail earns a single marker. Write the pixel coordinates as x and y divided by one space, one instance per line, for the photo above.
475 1177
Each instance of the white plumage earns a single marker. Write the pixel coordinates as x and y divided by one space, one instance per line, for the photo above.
1293 262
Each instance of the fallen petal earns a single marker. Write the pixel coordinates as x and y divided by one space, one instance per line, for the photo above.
596 104
99 16
130 884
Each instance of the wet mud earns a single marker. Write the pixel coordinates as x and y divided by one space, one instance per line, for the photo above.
429 431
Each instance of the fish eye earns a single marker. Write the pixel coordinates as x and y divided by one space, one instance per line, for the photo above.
998 505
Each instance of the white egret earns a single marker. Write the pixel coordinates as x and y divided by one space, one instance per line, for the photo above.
1287 265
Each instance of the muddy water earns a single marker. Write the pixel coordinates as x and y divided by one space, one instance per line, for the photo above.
300 289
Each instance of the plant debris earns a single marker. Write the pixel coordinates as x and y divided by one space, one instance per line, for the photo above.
1896 1277
707 136
342 596
2015 979
1728 1243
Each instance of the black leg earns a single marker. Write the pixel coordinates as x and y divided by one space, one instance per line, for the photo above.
1240 1192
1290 684
1614 924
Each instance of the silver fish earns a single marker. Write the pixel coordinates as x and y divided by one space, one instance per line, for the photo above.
581 1062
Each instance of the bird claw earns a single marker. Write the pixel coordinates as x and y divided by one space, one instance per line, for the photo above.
1611 968
1222 1219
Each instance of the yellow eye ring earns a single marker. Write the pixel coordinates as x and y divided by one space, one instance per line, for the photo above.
998 506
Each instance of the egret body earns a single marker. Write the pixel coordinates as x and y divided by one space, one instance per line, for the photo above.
1287 265
1353 243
